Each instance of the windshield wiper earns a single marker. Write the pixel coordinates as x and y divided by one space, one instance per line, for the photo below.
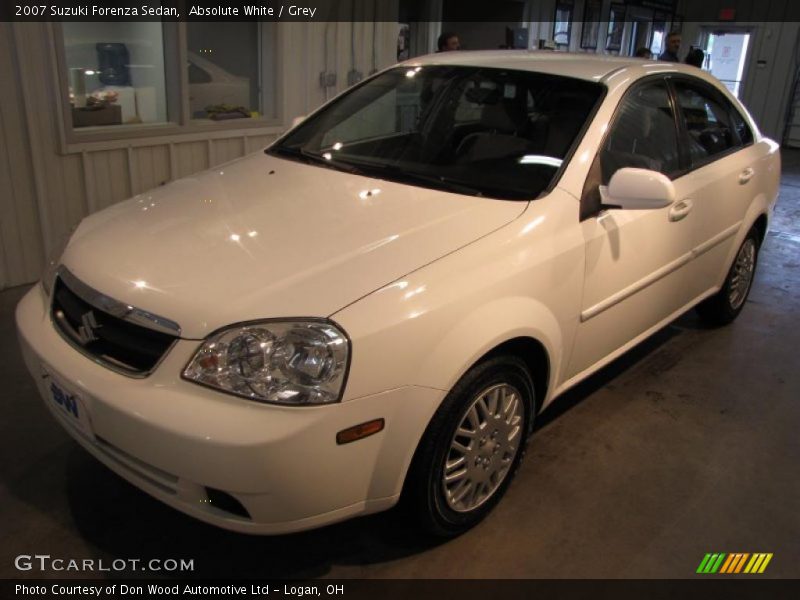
317 159
443 182
437 181
376 170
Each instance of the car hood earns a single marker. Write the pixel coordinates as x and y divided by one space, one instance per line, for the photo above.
266 237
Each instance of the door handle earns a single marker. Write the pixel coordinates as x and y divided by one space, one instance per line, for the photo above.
680 210
746 175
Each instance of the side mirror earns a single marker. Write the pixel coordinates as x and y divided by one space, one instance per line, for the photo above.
631 188
297 120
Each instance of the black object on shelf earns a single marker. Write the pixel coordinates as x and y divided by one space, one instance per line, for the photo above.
113 60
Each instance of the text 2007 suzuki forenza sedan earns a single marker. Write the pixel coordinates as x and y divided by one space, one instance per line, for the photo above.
376 306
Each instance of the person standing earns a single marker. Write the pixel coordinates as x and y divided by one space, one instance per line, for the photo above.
695 58
447 42
670 53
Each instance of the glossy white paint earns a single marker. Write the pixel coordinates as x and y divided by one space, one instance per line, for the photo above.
185 437
640 189
423 282
353 235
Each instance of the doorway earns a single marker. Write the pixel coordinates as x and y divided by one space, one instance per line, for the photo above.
640 35
726 55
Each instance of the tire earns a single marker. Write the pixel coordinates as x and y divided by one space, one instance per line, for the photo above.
480 466
724 306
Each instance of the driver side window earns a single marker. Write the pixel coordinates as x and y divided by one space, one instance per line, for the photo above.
643 134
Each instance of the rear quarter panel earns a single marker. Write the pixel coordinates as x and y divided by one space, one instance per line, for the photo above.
764 188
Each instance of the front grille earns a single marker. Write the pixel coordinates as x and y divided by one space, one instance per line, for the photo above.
113 340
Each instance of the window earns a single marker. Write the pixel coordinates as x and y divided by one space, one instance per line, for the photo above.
197 75
590 28
115 72
562 24
741 127
129 73
499 133
392 113
643 134
707 116
659 33
224 67
616 25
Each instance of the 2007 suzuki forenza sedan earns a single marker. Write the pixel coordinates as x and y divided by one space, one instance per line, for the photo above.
377 305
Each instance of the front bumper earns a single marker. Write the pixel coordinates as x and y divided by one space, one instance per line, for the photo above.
176 440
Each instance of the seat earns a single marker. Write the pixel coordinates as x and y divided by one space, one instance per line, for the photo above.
566 116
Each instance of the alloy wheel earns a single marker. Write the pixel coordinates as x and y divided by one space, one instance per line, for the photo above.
742 274
484 447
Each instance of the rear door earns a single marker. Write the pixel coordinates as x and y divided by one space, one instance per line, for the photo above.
722 175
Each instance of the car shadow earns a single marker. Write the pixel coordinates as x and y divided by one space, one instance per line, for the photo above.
121 521
595 382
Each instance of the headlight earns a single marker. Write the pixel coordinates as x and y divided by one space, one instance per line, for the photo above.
282 362
49 273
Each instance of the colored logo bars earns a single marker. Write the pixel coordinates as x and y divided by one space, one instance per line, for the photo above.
741 562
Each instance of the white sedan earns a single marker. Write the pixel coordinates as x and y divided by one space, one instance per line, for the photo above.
376 307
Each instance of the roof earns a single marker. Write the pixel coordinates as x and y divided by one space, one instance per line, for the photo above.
593 67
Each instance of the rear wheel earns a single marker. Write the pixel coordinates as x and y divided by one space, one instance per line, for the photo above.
724 306
472 447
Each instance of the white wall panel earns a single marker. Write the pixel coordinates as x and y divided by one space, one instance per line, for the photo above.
72 194
227 150
152 168
111 176
21 252
257 142
191 158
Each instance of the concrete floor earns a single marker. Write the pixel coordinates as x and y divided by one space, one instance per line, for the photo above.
686 445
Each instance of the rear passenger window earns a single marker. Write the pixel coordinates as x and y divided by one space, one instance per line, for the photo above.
643 134
741 127
709 122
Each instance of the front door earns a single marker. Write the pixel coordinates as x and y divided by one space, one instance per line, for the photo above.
635 259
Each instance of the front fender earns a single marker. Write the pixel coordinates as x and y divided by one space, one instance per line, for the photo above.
429 327
485 328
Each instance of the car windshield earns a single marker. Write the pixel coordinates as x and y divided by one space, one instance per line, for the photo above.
491 132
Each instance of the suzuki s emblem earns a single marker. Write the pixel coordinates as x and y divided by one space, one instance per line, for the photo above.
86 330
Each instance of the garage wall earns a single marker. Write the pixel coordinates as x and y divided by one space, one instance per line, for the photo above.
19 221
769 75
536 15
47 188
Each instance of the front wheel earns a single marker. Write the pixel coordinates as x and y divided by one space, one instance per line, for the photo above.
472 447
724 306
